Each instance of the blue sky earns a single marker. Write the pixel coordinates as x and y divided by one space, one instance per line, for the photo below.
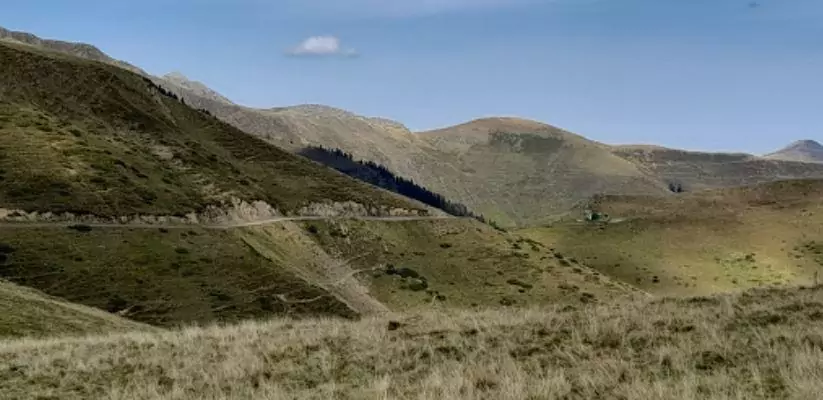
697 74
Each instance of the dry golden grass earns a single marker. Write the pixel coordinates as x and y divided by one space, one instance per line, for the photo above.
755 345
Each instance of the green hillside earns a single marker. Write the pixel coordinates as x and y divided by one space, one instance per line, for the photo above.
28 313
160 276
90 138
701 242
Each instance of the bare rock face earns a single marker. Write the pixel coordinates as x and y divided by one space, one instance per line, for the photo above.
234 212
351 209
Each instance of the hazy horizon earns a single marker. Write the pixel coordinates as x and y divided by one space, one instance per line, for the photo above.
705 75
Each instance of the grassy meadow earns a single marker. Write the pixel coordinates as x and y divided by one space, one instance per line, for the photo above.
761 344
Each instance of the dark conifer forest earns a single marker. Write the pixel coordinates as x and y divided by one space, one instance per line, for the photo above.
375 174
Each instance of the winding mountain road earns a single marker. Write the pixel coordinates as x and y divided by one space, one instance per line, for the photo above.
65 224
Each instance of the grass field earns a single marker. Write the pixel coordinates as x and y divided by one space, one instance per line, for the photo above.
179 276
703 242
458 263
161 277
25 312
762 344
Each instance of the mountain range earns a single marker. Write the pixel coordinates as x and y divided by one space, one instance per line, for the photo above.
149 218
515 172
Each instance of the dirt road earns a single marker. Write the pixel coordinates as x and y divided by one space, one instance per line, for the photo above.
61 224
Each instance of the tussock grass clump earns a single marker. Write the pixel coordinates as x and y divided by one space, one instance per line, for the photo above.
760 344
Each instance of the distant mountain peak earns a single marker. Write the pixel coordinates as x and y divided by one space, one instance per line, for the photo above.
323 111
805 150
198 88
177 76
805 144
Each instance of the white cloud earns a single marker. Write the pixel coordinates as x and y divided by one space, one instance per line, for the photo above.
321 46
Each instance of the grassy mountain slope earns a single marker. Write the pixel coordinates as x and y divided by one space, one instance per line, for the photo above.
701 170
89 138
482 164
416 265
380 176
522 172
161 277
295 129
98 139
462 263
702 242
341 268
763 344
515 172
82 50
28 313
509 183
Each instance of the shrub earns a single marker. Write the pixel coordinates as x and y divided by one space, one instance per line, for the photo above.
407 273
80 227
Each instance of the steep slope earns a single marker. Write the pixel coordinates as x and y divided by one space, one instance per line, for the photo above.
164 277
801 150
702 170
380 176
385 142
88 138
703 241
27 312
83 50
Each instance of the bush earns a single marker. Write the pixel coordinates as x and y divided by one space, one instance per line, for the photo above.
6 248
407 273
80 227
